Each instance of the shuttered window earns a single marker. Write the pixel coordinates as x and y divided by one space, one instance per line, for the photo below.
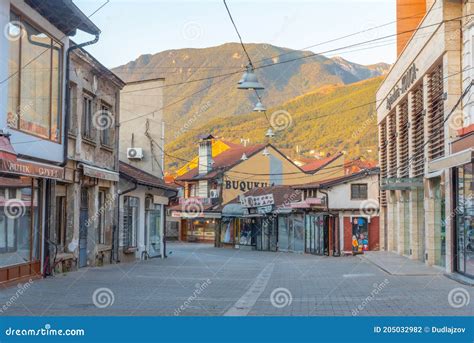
392 145
436 114
383 158
403 139
417 132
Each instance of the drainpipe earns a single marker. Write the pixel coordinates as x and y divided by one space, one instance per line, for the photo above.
68 94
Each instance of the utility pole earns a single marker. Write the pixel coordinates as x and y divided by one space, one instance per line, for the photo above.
162 241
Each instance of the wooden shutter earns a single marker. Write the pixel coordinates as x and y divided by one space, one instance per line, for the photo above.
392 145
436 114
383 158
418 133
403 139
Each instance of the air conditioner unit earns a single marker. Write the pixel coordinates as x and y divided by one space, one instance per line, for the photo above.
213 193
134 153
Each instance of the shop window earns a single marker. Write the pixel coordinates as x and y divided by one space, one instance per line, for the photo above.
101 218
360 234
34 100
19 233
60 220
87 124
359 191
130 221
465 220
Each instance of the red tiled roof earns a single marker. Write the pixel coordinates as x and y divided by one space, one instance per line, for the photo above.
141 177
227 159
318 164
339 179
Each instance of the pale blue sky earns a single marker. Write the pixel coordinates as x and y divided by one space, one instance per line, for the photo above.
134 27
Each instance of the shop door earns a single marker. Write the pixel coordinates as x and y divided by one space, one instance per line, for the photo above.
298 232
83 217
315 234
266 234
153 229
360 234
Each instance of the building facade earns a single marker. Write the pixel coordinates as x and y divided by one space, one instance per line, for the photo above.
423 110
85 205
33 80
144 196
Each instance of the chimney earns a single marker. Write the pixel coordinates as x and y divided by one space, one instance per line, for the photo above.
205 154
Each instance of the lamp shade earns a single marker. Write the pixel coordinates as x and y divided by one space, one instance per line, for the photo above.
259 107
244 157
265 152
270 133
249 80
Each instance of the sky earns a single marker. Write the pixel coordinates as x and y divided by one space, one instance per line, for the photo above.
131 28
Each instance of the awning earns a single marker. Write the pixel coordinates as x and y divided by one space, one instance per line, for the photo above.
99 173
233 210
392 184
205 215
451 161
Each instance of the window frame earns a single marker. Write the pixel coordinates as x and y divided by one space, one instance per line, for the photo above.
87 119
61 219
104 107
359 187
22 18
102 201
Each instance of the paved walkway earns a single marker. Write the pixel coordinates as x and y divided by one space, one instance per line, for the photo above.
201 280
395 264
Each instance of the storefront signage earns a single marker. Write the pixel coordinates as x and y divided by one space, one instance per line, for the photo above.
28 168
100 173
264 209
257 201
244 185
406 81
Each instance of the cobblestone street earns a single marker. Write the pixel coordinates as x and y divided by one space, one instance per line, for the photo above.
201 280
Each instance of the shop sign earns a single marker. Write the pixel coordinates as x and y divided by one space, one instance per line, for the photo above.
257 201
34 169
405 83
244 185
264 209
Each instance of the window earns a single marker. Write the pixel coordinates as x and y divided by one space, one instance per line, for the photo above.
130 221
359 191
87 126
34 96
106 129
60 220
19 232
101 223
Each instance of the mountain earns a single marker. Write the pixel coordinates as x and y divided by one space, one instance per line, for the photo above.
222 98
327 120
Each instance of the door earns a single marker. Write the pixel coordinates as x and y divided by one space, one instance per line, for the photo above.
83 217
154 231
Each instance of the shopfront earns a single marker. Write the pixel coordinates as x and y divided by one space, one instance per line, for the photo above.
464 219
316 234
200 229
291 233
24 197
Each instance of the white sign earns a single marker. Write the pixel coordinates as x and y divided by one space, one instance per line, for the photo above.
257 201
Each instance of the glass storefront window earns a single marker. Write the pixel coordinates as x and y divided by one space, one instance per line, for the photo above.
439 223
19 233
228 229
465 220
246 236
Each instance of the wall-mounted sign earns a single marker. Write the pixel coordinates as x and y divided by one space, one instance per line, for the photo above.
399 89
30 168
244 185
257 201
264 209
